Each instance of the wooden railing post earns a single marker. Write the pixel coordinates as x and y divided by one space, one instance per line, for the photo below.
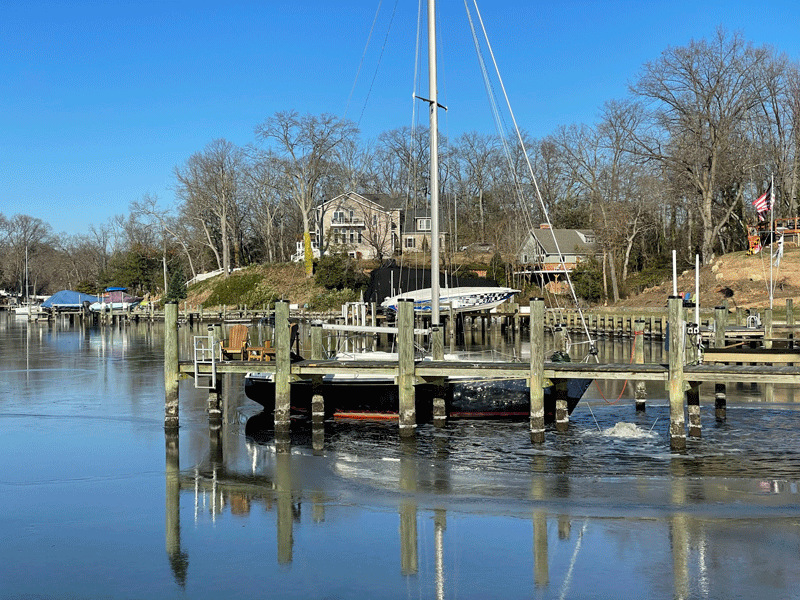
282 367
677 419
171 405
537 370
720 391
405 347
638 358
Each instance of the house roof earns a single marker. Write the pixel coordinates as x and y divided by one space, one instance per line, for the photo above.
385 201
567 240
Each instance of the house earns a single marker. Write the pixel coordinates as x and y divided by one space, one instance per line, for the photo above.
416 232
370 226
549 253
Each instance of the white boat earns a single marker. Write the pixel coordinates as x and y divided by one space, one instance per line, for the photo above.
115 298
28 309
458 299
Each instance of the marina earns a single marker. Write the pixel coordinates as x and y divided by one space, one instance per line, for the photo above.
102 495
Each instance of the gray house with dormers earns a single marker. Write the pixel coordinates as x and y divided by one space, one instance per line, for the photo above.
556 251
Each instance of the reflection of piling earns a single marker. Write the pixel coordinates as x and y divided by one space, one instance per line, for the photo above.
178 560
638 358
283 488
171 417
537 371
405 379
720 392
409 556
439 524
282 366
677 420
541 571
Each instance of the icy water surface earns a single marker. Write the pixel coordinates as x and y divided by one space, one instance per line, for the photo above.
99 503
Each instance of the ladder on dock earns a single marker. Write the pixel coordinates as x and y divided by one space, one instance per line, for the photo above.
204 355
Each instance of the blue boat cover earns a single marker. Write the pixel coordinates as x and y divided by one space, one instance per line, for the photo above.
68 299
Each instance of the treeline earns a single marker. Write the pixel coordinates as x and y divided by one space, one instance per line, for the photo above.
673 165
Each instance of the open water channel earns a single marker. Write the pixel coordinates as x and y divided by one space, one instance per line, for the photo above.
98 503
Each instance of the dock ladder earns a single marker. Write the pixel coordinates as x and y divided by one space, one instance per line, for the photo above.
204 355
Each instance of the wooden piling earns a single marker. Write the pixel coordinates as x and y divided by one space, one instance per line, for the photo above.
537 371
720 391
405 380
282 367
677 419
171 406
439 406
560 387
790 321
317 399
215 392
638 358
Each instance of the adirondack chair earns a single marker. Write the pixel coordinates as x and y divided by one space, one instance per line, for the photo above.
236 344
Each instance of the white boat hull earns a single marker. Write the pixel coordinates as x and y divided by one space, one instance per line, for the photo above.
459 299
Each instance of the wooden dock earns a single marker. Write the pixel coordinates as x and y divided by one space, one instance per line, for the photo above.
686 370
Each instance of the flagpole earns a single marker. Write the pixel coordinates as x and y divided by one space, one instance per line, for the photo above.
771 233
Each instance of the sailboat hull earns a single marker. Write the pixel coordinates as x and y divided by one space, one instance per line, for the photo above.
379 399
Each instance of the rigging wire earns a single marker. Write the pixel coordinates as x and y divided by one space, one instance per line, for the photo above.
361 63
593 350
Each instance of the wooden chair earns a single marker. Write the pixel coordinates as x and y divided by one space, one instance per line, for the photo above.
236 343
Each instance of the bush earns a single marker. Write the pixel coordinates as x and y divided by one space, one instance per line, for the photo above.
587 279
333 300
339 272
239 289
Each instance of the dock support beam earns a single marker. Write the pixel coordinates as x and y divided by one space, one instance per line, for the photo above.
405 347
638 358
537 371
282 367
437 350
171 374
560 386
720 389
677 419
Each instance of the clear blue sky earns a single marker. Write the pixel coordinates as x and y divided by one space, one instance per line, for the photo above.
99 101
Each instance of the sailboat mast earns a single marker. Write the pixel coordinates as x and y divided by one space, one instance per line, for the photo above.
434 177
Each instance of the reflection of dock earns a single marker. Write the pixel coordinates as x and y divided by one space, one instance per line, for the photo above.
421 487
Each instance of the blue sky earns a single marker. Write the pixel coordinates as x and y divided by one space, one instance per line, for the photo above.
99 101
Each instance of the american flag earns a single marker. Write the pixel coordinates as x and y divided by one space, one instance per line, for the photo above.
764 202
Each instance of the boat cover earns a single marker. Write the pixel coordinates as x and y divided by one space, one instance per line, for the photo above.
68 299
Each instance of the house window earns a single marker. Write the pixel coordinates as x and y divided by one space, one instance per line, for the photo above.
374 220
359 237
410 242
338 216
423 224
352 237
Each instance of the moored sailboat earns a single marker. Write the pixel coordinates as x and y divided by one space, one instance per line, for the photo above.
465 397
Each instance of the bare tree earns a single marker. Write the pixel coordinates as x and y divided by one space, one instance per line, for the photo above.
309 148
700 98
208 185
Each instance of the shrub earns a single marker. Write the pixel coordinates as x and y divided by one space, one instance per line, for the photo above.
333 300
339 272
